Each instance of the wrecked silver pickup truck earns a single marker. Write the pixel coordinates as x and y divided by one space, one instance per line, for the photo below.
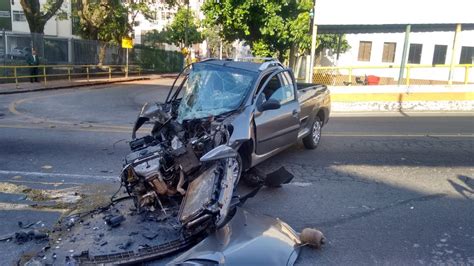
223 119
219 121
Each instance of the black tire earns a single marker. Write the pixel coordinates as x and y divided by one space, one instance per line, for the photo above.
312 141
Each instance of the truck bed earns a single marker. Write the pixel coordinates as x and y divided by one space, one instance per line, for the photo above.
311 96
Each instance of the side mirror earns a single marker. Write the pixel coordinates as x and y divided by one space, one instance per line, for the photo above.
270 104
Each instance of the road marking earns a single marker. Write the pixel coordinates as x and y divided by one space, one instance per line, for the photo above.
57 175
427 135
54 184
93 128
25 207
83 129
119 129
12 108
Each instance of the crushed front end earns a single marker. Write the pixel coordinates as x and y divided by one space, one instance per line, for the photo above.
186 163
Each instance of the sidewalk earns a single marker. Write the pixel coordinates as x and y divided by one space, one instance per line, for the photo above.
11 88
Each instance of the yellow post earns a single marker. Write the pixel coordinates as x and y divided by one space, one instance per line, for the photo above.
466 75
69 74
44 74
110 73
408 76
16 77
453 52
350 75
87 69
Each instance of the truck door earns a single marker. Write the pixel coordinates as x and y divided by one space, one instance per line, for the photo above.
278 127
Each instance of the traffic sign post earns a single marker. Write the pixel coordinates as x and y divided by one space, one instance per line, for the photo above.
127 43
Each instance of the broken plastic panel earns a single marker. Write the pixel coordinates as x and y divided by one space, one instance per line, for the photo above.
199 195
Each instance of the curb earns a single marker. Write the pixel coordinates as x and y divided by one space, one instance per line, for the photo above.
87 84
401 113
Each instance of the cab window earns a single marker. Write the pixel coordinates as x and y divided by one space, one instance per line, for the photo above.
279 88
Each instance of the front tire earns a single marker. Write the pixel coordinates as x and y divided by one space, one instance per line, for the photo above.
312 141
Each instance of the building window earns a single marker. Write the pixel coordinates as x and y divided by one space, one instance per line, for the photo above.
364 51
18 16
414 56
467 55
439 56
388 55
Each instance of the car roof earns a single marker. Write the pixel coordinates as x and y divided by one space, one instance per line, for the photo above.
244 65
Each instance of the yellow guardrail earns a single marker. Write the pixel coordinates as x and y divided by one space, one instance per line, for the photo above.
388 75
69 71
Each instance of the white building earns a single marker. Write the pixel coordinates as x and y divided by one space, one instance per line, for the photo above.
164 16
375 30
16 39
53 27
425 48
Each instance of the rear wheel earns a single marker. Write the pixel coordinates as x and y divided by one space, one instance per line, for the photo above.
312 140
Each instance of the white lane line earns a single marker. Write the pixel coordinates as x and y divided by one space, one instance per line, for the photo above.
25 207
349 134
40 174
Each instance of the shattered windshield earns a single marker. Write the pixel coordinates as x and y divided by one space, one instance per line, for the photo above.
213 90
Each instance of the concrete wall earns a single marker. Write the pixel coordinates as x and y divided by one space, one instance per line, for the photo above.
394 98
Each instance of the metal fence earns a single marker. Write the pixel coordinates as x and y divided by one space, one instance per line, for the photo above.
47 73
15 47
388 75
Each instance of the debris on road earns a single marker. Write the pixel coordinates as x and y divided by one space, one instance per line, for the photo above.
114 220
181 180
24 236
312 237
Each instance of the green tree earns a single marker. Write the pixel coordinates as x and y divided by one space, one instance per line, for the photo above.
278 28
184 25
183 30
155 38
108 21
37 15
215 41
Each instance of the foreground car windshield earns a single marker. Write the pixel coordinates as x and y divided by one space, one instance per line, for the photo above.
213 90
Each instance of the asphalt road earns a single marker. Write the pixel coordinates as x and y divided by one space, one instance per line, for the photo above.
384 189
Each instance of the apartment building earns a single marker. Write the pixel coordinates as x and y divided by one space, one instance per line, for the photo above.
164 16
12 19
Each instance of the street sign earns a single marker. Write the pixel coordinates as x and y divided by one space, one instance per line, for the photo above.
127 42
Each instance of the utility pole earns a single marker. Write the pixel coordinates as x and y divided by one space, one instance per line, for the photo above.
404 54
453 52
220 48
186 25
309 75
4 35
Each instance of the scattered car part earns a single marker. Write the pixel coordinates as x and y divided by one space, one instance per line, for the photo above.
114 220
248 239
219 122
278 177
312 237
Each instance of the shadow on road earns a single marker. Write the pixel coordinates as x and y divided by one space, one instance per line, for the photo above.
465 187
